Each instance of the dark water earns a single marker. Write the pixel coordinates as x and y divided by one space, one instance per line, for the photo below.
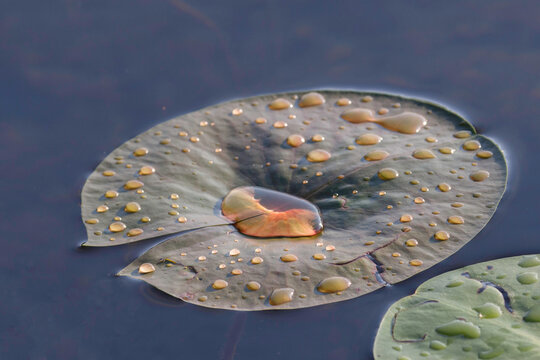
80 77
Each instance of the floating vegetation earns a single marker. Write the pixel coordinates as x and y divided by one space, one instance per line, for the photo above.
489 310
296 199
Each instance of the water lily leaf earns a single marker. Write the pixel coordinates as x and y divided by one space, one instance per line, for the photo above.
366 188
489 310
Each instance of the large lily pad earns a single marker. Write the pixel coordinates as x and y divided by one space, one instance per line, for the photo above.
401 184
489 310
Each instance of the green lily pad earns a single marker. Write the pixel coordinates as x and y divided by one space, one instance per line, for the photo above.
489 310
398 184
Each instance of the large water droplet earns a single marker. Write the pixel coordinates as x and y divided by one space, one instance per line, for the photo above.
529 261
459 327
311 99
280 104
318 155
281 296
488 311
334 284
267 213
527 278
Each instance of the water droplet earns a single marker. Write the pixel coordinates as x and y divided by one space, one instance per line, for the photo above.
295 140
462 134
447 150
92 221
280 124
529 261
431 139
236 272
456 205
343 102
203 298
280 104
253 286
183 134
311 99
423 154
220 284
488 311
317 138
405 123
234 252
102 208
415 262
165 141
257 260
527 278
455 283
140 151
237 111
111 194
201 258
135 232
411 242
367 99
261 212
318 155
330 248
405 218
444 187
437 345
260 121
182 219
145 219
281 296
491 354
455 219
319 256
459 327
132 207
484 154
334 284
471 145
289 258
133 184
376 155
480 175
109 173
441 236
194 139
368 139
387 174
117 226
146 268
358 115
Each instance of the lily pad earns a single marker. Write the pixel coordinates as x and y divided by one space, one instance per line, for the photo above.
370 188
489 310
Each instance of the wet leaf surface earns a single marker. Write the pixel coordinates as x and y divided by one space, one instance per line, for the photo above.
400 184
489 310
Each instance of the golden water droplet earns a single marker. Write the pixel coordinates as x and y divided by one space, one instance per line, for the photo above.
471 145
183 134
117 218
222 266
257 260
484 154
424 189
111 194
447 150
367 243
201 258
202 298
405 123
236 272
280 124
102 208
317 138
135 232
444 187
147 170
132 207
140 151
145 219
406 218
253 286
457 205
334 284
117 226
174 196
376 155
289 258
281 296
220 284
431 139
368 139
367 99
396 254
423 154
311 99
419 200
455 220
234 252
318 155
295 140
260 121
415 262
358 115
343 102
480 175
383 111
237 111
182 219
146 268
280 104
133 184
387 174
108 173
173 213
165 141
462 134
194 139
330 248
319 256
411 242
92 221
442 235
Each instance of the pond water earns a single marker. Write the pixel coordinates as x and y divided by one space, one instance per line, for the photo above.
79 78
